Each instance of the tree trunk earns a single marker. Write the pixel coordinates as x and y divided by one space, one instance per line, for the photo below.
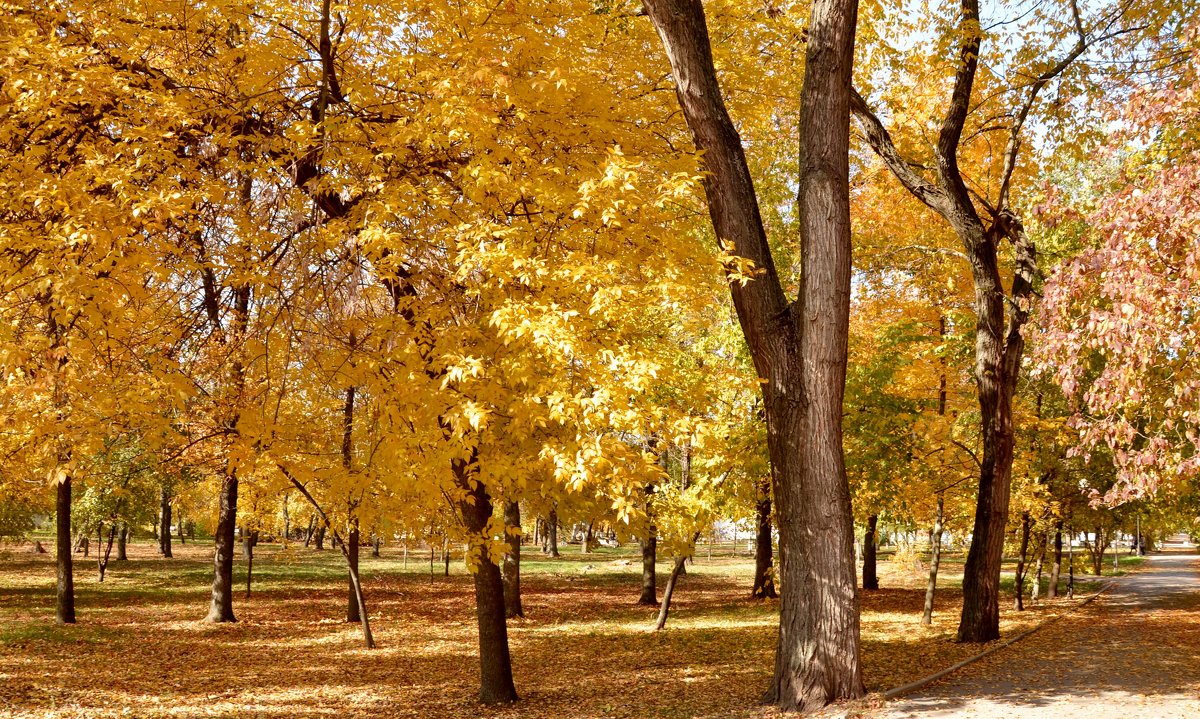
665 608
102 557
308 536
511 571
870 577
935 559
1036 590
65 596
122 540
249 542
798 349
221 607
164 526
585 547
764 570
1019 580
375 545
554 533
649 564
182 534
351 551
495 665
1056 567
1070 563
320 538
446 555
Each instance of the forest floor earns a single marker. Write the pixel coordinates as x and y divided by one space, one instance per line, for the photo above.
584 650
1132 654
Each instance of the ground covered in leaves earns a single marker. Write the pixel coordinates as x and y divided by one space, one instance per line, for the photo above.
584 650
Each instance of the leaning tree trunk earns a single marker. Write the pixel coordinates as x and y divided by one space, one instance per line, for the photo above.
1056 567
65 596
102 557
511 573
764 570
495 665
164 523
221 607
351 550
668 592
934 560
870 576
798 349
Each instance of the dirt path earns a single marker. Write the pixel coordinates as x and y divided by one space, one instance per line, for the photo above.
1132 654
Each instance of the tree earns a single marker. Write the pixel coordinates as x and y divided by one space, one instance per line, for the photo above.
798 349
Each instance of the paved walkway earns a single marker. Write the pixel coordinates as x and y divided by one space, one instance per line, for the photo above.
1132 654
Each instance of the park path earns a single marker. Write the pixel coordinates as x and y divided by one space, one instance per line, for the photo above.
1134 653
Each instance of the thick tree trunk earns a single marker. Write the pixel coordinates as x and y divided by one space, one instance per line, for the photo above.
665 607
351 551
221 607
511 571
495 665
122 540
764 560
649 566
164 526
934 559
799 350
319 540
554 533
65 596
1019 581
1056 567
870 576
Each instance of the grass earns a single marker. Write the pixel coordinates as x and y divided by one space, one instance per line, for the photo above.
585 649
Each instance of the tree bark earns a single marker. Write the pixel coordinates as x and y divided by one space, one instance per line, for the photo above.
649 568
764 560
164 527
935 559
870 576
102 557
64 610
511 570
249 542
1019 580
665 607
495 665
221 607
352 614
554 533
122 540
319 539
1035 591
1056 567
585 546
798 349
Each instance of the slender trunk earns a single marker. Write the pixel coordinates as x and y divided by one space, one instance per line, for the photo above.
182 534
585 547
122 540
1070 563
164 526
308 536
511 571
495 665
764 560
102 558
935 539
1019 581
870 577
649 561
65 601
287 521
665 607
1056 567
351 552
446 556
221 607
554 533
249 542
1036 590
364 620
375 545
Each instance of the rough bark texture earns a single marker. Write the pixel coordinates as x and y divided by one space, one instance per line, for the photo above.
511 573
495 665
649 564
934 560
553 534
65 600
221 607
764 559
164 526
798 349
870 574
